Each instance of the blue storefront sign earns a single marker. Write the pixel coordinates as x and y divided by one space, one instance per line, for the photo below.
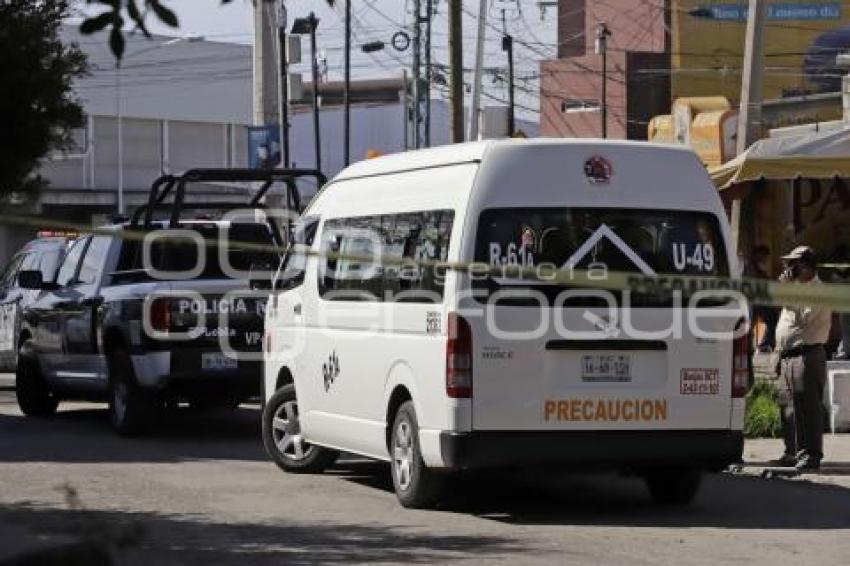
781 12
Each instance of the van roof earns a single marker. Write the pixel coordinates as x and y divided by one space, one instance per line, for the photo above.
470 152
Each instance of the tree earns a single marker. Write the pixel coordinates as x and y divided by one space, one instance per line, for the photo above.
37 103
137 12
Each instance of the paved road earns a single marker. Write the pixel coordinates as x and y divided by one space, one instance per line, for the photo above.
200 490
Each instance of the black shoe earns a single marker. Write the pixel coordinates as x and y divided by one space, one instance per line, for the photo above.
786 461
808 464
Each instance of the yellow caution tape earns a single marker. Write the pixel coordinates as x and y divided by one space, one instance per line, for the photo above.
830 296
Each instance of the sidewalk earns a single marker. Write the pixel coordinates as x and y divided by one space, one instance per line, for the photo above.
7 381
835 465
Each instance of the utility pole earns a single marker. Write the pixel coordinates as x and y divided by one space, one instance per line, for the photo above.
479 68
456 69
283 87
602 35
417 53
346 93
749 110
508 46
304 26
314 22
429 7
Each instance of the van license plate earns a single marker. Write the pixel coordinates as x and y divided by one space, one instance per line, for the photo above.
600 368
217 361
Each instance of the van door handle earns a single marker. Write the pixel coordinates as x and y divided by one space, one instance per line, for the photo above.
296 309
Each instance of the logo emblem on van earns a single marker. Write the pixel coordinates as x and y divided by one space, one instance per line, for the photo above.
330 370
598 170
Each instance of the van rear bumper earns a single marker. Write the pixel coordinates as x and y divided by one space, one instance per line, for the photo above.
593 450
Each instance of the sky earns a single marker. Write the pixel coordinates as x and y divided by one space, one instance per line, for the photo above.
379 20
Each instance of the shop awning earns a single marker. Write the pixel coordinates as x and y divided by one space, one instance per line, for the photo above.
814 156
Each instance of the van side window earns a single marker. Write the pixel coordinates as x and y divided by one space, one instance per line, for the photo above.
416 236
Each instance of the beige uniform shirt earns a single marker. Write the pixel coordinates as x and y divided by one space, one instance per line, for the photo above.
799 326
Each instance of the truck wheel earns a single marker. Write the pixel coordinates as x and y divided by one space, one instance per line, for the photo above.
34 396
130 407
673 486
415 485
282 436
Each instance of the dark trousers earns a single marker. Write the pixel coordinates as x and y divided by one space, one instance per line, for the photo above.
801 400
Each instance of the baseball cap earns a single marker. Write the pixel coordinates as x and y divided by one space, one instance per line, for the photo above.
801 253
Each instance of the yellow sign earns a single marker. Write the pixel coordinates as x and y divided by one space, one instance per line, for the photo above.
801 40
605 410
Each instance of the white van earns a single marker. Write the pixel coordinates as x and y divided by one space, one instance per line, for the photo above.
437 370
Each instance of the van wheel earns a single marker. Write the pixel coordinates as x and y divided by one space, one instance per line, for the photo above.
131 408
34 396
673 486
282 436
415 485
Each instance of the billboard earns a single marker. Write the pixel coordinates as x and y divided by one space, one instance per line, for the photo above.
801 41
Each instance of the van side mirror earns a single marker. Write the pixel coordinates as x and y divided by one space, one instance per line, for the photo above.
31 279
260 276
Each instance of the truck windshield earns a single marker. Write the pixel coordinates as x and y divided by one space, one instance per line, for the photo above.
601 239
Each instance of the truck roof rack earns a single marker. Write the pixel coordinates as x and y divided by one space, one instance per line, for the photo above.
167 185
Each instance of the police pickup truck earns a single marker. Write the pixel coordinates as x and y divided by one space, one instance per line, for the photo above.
150 312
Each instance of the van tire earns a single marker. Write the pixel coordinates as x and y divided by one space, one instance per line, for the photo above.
35 398
673 486
282 437
415 485
131 408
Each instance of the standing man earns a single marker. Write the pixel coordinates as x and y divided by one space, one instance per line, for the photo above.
800 337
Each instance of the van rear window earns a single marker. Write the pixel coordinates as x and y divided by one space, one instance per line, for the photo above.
626 240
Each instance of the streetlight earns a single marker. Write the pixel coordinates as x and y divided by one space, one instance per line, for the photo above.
304 26
602 35
119 111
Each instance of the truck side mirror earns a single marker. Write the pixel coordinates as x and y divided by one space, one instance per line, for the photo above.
260 276
31 279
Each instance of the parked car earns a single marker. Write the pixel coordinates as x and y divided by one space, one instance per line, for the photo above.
42 254
436 371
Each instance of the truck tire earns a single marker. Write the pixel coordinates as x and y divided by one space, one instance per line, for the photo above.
35 398
415 485
673 486
282 437
131 408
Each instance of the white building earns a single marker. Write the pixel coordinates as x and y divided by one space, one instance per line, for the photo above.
187 103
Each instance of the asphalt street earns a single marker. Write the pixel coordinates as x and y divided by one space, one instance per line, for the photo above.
200 489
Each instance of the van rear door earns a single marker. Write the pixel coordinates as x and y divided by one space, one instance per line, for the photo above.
555 357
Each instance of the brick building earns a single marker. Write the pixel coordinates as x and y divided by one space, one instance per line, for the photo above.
638 69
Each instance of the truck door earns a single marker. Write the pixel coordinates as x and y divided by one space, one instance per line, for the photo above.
45 315
79 316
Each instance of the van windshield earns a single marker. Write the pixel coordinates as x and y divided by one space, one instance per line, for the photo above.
668 242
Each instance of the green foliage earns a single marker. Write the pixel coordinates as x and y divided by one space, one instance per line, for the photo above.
36 99
136 11
762 418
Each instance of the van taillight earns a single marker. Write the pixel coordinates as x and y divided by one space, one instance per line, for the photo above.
459 358
740 362
161 314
